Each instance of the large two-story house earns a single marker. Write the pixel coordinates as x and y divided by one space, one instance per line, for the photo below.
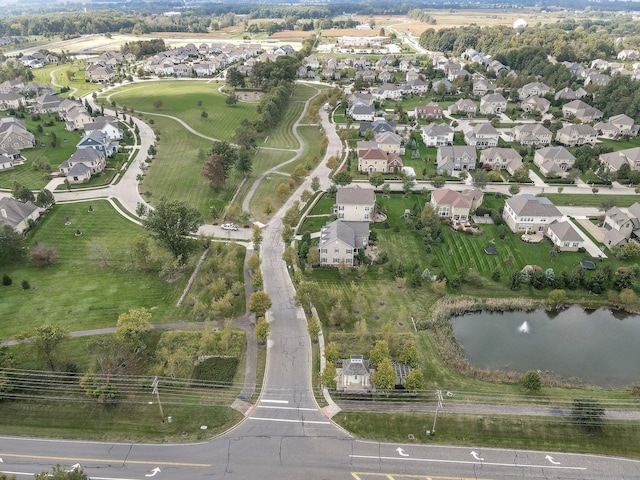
455 158
530 214
458 206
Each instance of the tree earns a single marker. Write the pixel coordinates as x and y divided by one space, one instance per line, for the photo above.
407 184
132 328
243 163
379 352
213 170
259 303
59 473
256 237
384 378
45 198
409 354
298 174
53 140
556 298
246 135
479 178
315 184
22 193
262 330
329 375
11 245
331 352
314 328
342 178
531 381
42 255
254 262
587 413
47 340
305 294
414 381
287 234
170 223
438 181
157 104
514 189
231 99
234 78
376 179
282 192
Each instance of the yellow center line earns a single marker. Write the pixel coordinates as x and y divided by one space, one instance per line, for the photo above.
109 460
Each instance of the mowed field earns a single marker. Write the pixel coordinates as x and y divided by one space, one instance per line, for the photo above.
186 100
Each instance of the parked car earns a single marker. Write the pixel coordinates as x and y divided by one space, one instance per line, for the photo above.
229 226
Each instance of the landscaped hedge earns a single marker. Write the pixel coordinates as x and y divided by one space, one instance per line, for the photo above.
216 369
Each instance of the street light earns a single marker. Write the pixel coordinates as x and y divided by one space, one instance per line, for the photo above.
439 405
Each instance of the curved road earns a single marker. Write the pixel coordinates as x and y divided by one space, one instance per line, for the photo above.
285 435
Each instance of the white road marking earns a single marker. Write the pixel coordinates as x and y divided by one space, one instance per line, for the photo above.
273 407
290 421
464 462
273 401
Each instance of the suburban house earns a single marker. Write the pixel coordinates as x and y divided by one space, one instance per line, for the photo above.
458 206
554 160
82 164
582 111
430 110
576 135
387 91
14 134
493 103
455 158
355 204
535 104
354 375
105 124
482 86
530 214
568 94
17 214
77 118
372 160
621 227
46 103
340 242
617 126
531 134
390 142
533 89
361 112
501 159
483 135
377 126
436 135
98 140
614 160
565 236
11 100
464 106
9 158
99 73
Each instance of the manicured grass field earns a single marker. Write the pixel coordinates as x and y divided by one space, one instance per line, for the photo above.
266 189
282 136
596 200
79 87
312 154
531 433
180 99
79 291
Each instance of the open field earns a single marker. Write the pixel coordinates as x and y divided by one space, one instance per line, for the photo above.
81 290
79 87
186 100
564 199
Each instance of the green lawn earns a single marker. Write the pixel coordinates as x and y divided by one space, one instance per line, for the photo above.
79 87
312 138
594 200
79 291
266 189
180 99
282 136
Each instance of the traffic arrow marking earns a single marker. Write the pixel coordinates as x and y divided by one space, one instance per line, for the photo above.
476 456
550 458
401 452
153 472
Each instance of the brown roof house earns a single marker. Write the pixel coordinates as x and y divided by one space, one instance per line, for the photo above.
458 206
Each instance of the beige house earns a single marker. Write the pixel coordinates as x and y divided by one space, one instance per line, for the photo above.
76 118
340 242
531 134
14 135
11 100
535 104
620 226
499 158
493 103
483 135
458 206
17 214
565 236
464 106
355 204
554 160
576 135
390 142
530 214
581 110
614 160
100 73
372 160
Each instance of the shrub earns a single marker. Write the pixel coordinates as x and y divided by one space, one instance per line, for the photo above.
6 280
216 369
25 285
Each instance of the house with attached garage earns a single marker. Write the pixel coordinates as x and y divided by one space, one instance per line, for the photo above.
340 241
501 158
554 160
493 103
9 158
464 106
436 135
14 135
455 158
17 214
82 164
483 135
576 135
531 134
372 160
530 214
564 236
620 226
355 204
614 160
11 100
582 111
105 124
98 140
390 142
458 206
430 110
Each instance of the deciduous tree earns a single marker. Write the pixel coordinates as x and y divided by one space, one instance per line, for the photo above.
414 381
259 303
11 245
379 352
47 340
262 330
132 328
531 381
384 378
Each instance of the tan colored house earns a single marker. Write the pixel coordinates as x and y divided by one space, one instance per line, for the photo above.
11 100
565 236
14 135
530 214
17 214
390 142
464 106
458 206
615 160
483 135
531 134
554 160
340 242
372 160
576 135
100 73
493 103
499 158
355 204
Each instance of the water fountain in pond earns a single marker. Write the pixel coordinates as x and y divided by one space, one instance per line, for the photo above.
524 328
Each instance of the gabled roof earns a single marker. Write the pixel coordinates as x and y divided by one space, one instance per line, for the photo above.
555 153
355 195
12 212
565 231
530 205
372 154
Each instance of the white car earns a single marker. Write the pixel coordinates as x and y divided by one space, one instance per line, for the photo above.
229 226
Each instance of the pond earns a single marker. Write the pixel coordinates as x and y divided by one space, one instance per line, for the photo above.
595 347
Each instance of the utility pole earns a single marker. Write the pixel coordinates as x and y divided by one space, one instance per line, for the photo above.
439 405
155 390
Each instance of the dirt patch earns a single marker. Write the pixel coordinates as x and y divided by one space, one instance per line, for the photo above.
248 96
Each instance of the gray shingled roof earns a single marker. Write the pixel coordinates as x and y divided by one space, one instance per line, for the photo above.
12 212
530 205
355 196
565 232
